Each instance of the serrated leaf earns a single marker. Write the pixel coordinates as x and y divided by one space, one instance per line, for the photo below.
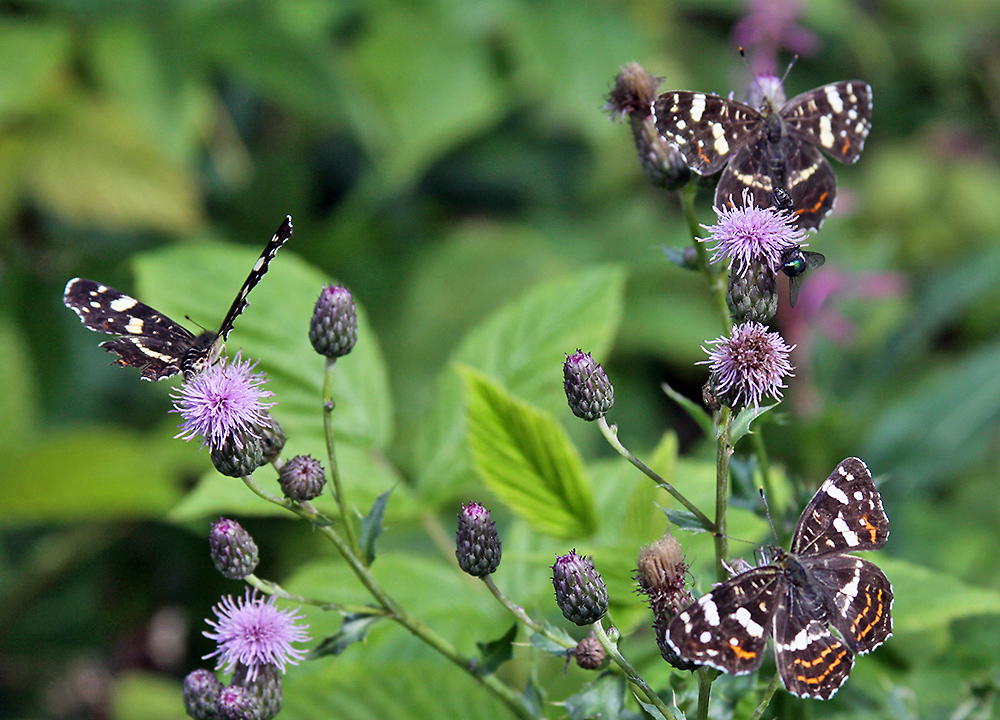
526 458
355 628
495 653
741 425
654 711
693 409
371 527
685 520
540 642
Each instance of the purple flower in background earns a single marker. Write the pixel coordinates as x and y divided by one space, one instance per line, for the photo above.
750 235
749 365
253 632
769 27
222 402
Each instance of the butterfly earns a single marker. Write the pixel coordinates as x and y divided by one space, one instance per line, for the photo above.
800 593
151 341
776 143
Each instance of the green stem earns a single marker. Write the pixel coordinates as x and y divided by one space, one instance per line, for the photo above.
630 672
724 450
716 280
764 463
766 698
518 612
329 404
610 432
272 588
706 676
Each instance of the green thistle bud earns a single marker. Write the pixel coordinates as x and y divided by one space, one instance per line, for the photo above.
265 688
752 293
477 545
239 455
589 653
201 694
302 478
233 551
588 390
580 591
272 437
334 327
237 703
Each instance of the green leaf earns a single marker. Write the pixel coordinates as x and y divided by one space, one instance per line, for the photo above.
540 642
495 653
696 411
32 54
522 346
741 425
19 398
355 628
200 280
685 520
526 458
928 599
371 526
604 698
676 256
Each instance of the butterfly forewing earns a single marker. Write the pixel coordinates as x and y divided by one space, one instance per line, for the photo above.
727 628
835 117
707 129
845 514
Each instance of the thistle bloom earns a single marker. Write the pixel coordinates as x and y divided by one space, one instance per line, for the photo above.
750 235
749 365
253 632
223 402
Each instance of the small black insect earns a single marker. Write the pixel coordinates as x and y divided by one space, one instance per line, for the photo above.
151 341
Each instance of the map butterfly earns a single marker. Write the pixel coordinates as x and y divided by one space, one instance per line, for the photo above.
151 341
800 593
774 145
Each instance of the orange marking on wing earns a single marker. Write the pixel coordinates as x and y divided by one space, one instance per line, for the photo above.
846 146
741 653
829 669
872 530
878 615
814 208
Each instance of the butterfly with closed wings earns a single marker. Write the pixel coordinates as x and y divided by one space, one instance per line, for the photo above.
799 594
775 143
151 341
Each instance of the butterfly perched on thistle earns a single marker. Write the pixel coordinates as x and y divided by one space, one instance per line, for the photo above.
770 142
148 339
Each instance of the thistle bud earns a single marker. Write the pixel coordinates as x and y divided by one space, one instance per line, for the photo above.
752 293
233 551
580 591
334 327
201 694
236 703
240 454
633 96
272 437
265 688
588 390
589 653
302 478
477 545
661 575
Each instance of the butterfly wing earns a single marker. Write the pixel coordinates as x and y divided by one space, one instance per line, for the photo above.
149 339
727 628
706 129
860 598
813 663
835 117
845 514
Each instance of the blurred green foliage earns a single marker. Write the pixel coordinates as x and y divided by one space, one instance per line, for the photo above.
450 162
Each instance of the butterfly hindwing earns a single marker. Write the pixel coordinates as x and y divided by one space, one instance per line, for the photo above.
861 599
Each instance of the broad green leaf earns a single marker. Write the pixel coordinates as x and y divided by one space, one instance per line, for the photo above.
19 398
200 280
371 527
926 599
603 698
526 458
355 628
495 653
522 346
32 55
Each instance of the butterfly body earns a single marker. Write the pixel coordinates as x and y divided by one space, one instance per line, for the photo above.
798 594
762 148
149 340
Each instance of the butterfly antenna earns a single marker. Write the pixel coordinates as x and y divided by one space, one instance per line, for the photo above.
789 68
767 511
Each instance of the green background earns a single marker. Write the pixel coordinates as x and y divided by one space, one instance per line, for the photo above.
450 161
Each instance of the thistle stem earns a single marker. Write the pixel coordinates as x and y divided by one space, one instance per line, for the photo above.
329 404
765 699
630 672
518 612
724 450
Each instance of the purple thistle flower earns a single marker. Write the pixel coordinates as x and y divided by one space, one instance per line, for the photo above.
222 402
750 235
749 365
253 632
